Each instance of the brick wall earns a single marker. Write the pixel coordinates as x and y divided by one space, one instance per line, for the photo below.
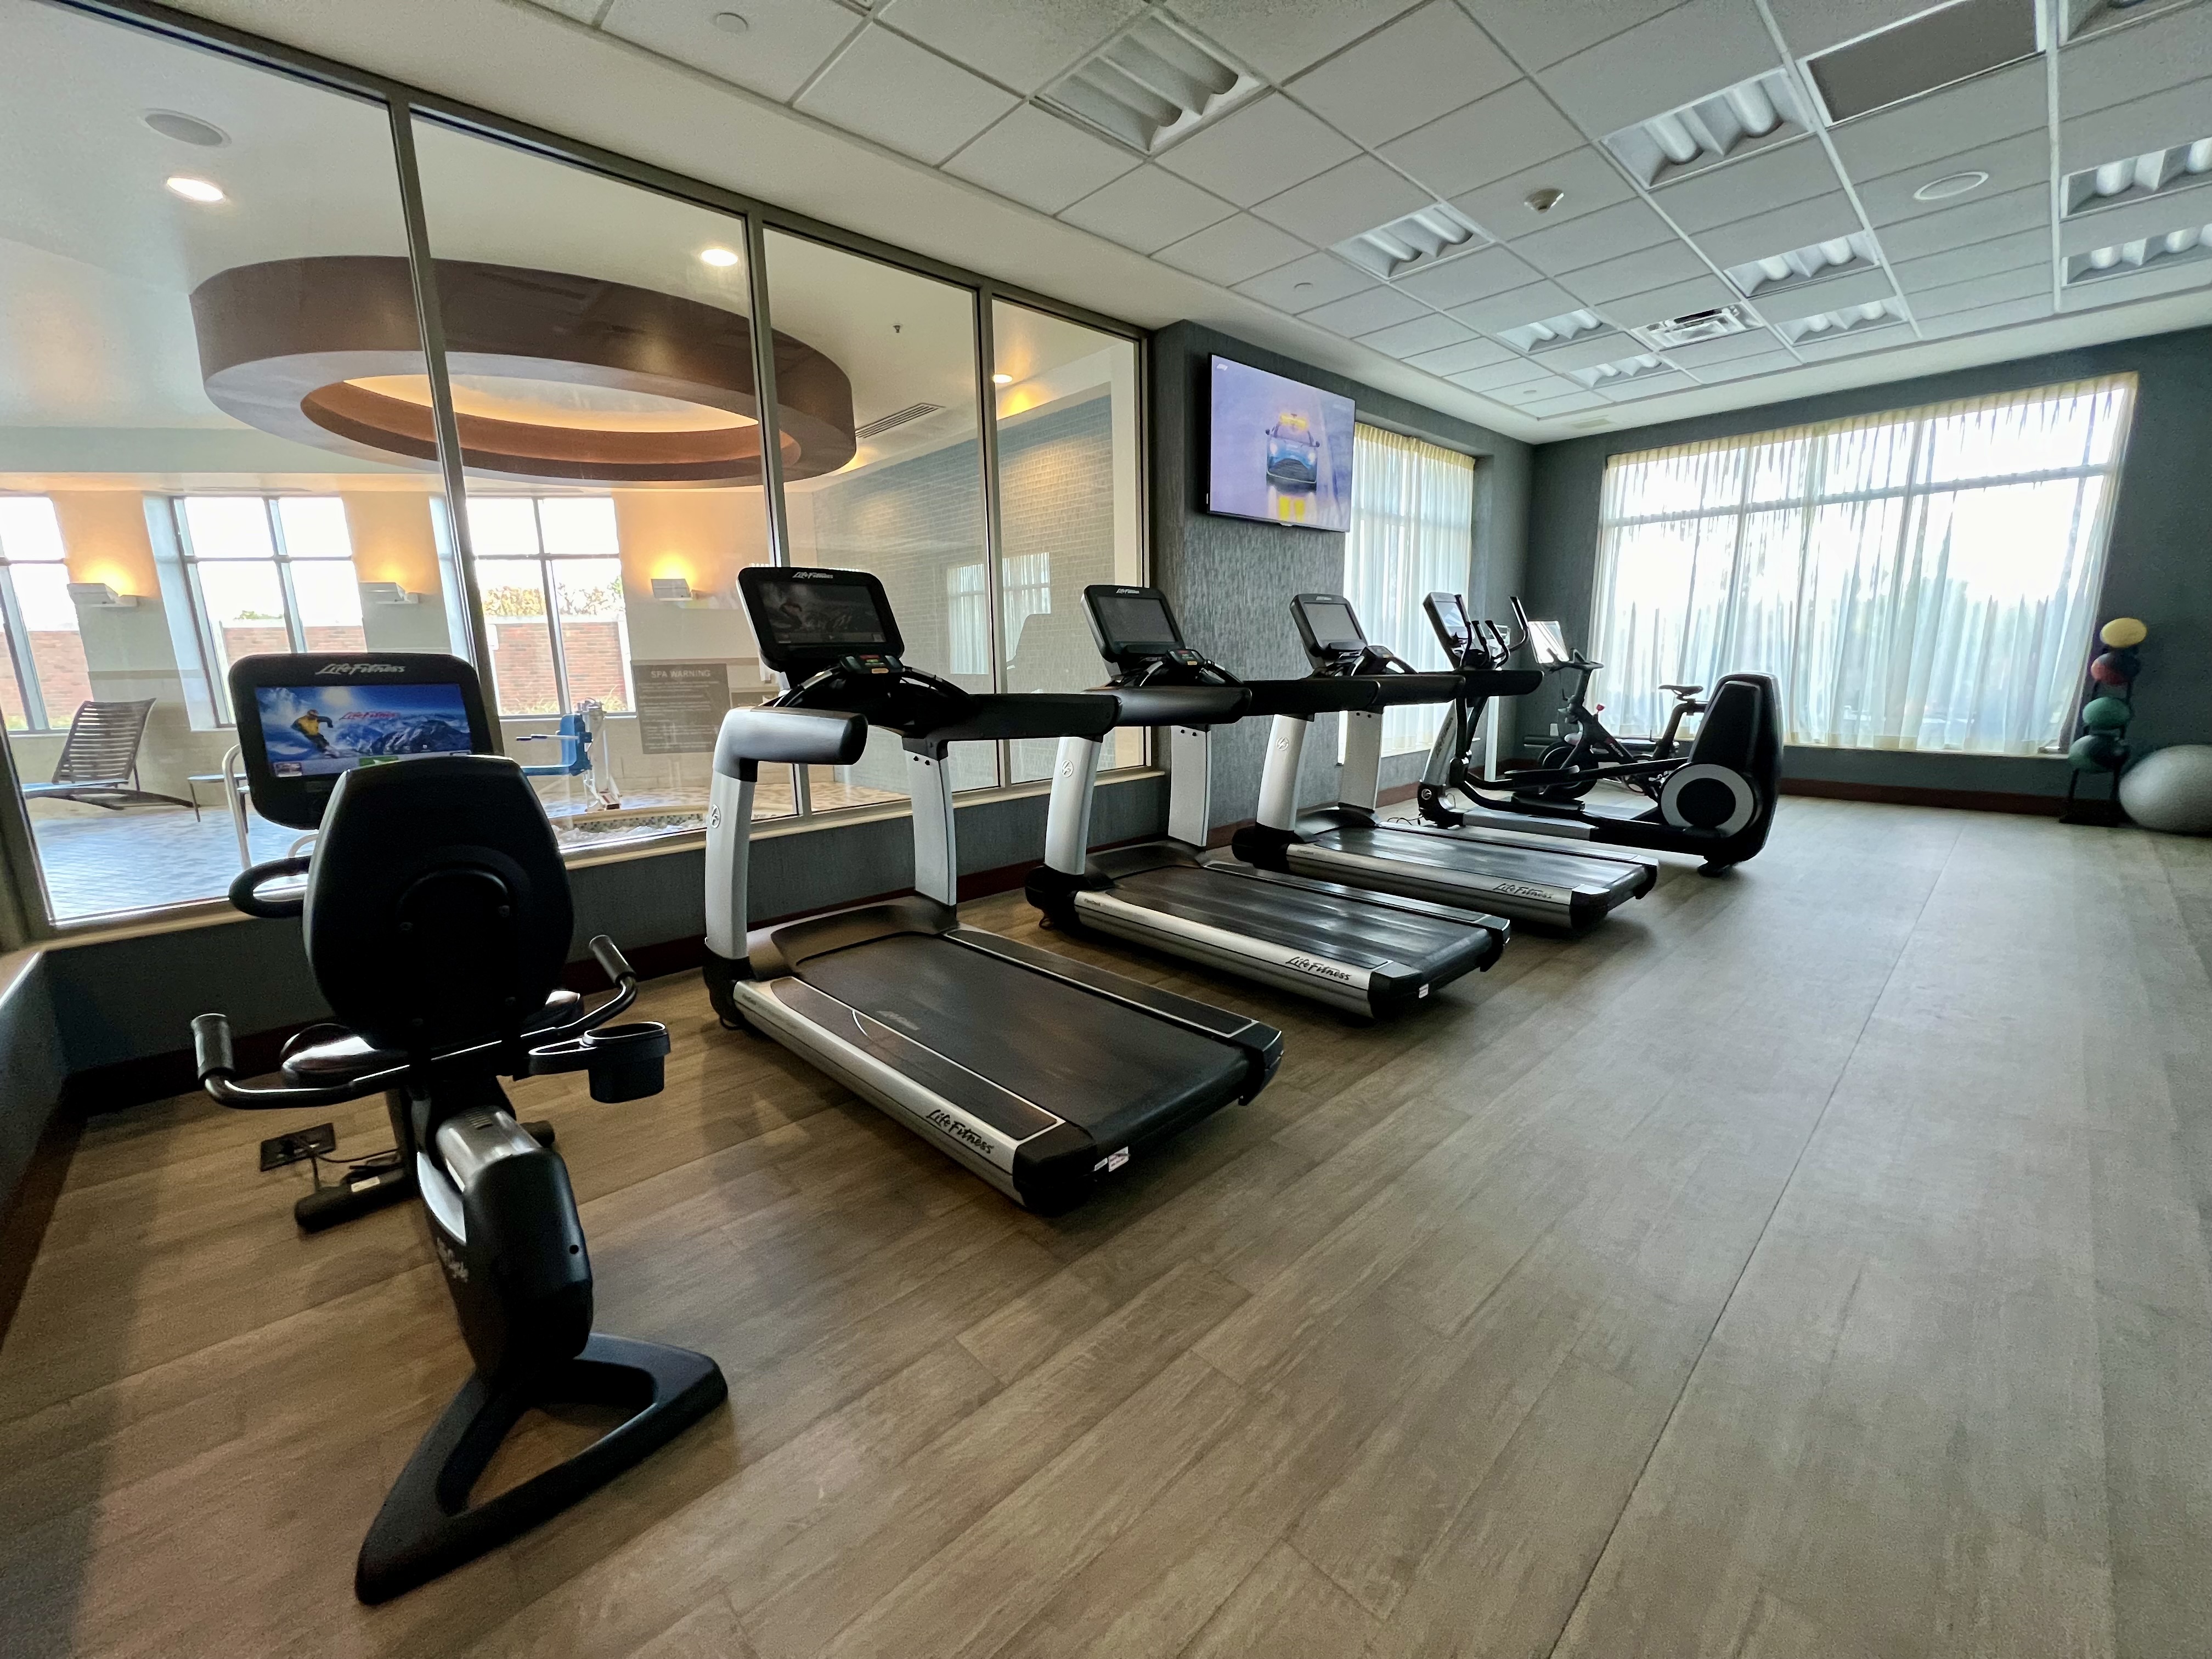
58 659
522 665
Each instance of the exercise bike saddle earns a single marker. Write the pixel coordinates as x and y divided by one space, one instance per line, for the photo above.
1683 691
326 1053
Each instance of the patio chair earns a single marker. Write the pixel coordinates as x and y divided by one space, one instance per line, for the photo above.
99 760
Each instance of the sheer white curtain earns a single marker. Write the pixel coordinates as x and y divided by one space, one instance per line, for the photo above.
1413 533
1925 578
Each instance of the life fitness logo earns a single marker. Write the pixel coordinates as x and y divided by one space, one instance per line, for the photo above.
959 1131
1516 889
1322 969
342 669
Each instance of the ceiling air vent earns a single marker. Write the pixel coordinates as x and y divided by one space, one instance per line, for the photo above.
1551 330
1833 258
1694 326
1938 48
1150 85
1851 320
2155 173
1421 238
2176 247
876 427
1627 368
1750 115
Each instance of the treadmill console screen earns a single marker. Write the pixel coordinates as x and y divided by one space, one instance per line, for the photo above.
1548 643
1448 616
1332 624
803 613
1136 623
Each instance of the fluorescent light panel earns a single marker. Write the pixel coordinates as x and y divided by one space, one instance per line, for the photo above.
1419 240
1151 85
2182 246
1809 264
1696 135
1627 368
1938 48
1851 320
1551 331
2133 177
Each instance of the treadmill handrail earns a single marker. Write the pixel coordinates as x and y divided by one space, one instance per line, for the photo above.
1179 705
1315 695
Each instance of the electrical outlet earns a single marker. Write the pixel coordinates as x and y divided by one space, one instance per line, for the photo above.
318 1142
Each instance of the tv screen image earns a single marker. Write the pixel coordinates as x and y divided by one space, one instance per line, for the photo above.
311 731
1281 450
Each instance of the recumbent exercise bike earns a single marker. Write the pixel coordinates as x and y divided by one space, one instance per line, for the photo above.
437 920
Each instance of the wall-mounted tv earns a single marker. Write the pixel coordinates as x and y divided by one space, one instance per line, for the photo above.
1281 450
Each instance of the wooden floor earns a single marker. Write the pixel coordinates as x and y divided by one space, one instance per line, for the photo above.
1814 1262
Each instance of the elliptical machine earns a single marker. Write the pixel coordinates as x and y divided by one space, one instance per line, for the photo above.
437 920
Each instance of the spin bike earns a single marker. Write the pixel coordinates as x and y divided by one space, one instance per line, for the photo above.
1589 745
437 920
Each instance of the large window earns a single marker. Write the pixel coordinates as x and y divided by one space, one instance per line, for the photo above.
1413 534
1921 579
550 571
268 574
44 674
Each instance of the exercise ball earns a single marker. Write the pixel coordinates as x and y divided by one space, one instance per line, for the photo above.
2100 752
2105 714
2121 632
2171 790
2113 667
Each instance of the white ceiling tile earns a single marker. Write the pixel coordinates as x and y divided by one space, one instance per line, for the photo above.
1737 368
1280 37
1978 111
1764 234
1357 196
1304 283
584 11
1976 219
889 89
1037 159
1588 350
1588 179
787 41
2010 313
1573 404
2109 227
1676 300
1519 372
1540 32
1675 58
2026 283
1810 299
1510 129
1232 251
1258 151
2019 162
2116 66
1701 354
2023 248
1650 384
1516 307
1531 391
1363 313
1814 26
1669 263
1855 342
1459 359
2141 285
1471 277
1592 240
1427 63
1015 42
1421 334
1770 177
2178 115
1147 209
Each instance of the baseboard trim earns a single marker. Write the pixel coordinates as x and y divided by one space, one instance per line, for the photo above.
1903 794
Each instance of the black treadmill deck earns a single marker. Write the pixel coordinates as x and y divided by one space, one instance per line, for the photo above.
1611 880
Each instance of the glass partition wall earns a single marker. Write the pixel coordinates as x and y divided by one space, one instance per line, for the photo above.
221 432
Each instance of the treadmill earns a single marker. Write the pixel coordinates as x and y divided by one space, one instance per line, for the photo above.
1350 842
1368 954
1043 1075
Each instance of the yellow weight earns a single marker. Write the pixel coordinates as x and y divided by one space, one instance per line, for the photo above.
2121 632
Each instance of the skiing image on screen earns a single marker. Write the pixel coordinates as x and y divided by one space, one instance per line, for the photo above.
313 730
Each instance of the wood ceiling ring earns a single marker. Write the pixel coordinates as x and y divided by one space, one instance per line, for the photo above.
282 343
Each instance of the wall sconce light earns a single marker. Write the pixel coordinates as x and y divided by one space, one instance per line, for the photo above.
388 593
99 596
672 587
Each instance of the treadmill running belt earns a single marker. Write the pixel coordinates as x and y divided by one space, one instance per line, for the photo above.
1101 1064
1357 934
1528 864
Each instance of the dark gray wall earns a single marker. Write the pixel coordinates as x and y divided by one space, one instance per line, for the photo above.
2159 568
31 1066
1230 579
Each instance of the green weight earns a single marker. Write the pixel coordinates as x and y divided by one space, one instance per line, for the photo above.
2105 714
2097 752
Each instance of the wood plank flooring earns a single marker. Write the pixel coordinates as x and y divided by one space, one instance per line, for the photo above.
1810 1262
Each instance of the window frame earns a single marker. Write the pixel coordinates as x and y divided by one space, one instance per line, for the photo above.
550 593
212 663
37 721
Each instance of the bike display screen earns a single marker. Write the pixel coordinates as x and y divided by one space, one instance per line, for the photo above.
1135 621
318 730
1548 642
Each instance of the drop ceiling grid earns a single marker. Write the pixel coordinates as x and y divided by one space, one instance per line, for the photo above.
1275 285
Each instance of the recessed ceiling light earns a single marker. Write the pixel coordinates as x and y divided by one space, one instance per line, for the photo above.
1002 379
720 257
731 22
1950 185
194 189
185 128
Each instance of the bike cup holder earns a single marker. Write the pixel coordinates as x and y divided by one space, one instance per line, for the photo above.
626 1062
